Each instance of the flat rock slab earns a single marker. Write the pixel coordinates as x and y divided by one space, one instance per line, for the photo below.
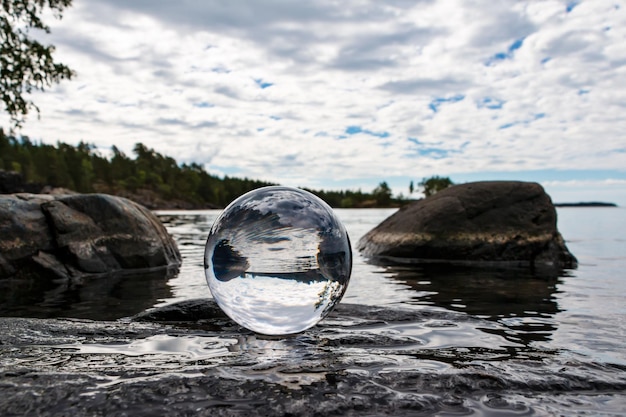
188 359
74 236
482 222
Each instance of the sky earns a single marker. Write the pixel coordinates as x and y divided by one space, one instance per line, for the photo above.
346 94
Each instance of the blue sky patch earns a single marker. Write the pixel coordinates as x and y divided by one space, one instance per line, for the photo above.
262 84
541 175
516 45
536 116
571 5
429 151
438 101
490 103
353 130
501 56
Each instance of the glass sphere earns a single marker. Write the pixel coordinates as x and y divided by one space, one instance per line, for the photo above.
277 260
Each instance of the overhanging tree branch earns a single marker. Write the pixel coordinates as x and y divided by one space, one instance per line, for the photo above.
26 64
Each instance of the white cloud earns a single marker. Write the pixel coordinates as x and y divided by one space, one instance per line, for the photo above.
515 86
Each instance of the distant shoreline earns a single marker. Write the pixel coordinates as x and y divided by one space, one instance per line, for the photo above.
586 204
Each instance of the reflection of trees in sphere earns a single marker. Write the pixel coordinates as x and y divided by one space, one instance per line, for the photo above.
277 260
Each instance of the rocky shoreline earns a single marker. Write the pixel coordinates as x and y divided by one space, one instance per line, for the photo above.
191 360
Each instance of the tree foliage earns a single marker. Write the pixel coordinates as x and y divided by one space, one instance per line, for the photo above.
382 194
25 63
433 185
84 169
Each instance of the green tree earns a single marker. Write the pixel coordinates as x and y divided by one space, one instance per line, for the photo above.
431 186
122 167
26 64
382 194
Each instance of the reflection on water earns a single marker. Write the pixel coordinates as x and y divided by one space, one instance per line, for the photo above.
189 347
520 299
523 303
106 297
582 310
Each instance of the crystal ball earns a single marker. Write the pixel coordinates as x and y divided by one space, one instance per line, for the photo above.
277 260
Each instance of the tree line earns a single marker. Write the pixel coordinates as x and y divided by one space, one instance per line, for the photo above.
84 169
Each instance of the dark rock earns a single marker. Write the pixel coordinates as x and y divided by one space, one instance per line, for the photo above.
13 182
80 235
482 222
360 361
188 310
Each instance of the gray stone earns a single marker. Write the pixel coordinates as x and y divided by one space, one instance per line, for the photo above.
482 222
74 236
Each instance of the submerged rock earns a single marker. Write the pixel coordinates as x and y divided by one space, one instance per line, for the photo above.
73 236
481 222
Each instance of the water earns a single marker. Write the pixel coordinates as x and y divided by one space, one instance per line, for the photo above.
277 260
578 316
403 340
582 310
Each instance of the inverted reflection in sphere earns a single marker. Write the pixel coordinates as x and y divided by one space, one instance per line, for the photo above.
277 260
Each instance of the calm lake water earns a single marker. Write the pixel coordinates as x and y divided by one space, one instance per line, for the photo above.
582 310
579 316
454 341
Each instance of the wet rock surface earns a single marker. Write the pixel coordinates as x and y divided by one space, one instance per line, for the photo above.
482 222
69 237
188 359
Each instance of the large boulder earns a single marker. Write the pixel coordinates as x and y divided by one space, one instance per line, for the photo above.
74 236
503 222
